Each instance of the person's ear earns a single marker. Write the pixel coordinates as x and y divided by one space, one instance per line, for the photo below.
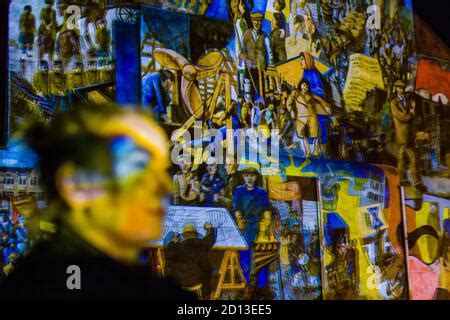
78 188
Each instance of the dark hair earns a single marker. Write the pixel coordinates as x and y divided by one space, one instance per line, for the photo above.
298 19
282 3
67 139
27 7
304 81
278 19
166 75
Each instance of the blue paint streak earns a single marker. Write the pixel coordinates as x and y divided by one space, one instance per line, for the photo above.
18 155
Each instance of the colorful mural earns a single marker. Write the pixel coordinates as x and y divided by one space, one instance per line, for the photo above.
341 191
427 217
428 236
328 83
56 51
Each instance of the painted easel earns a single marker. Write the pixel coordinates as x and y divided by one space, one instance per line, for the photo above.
160 261
230 269
230 265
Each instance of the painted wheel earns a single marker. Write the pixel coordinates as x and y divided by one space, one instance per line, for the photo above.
127 14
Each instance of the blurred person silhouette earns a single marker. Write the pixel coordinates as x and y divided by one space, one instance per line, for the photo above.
104 169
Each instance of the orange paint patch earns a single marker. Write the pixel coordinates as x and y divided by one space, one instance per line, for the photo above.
432 78
395 210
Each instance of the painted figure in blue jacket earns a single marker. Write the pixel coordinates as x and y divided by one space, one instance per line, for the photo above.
155 93
212 184
250 203
21 236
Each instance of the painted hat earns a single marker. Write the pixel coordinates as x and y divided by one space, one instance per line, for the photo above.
400 83
189 228
248 168
256 15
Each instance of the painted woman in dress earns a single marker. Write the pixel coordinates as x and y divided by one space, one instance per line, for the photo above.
318 87
304 107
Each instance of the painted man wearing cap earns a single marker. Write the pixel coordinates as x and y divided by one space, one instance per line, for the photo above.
58 86
250 203
212 184
186 185
403 111
156 89
256 51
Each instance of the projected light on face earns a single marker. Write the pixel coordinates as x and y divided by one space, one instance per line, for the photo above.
129 160
131 206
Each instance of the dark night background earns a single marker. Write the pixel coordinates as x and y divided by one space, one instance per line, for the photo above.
436 13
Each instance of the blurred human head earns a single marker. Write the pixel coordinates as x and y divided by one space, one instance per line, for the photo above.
400 87
304 86
279 5
104 169
26 206
184 162
58 67
211 166
286 230
189 231
307 61
298 22
301 3
277 21
43 66
250 177
92 64
167 79
248 98
77 67
257 18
